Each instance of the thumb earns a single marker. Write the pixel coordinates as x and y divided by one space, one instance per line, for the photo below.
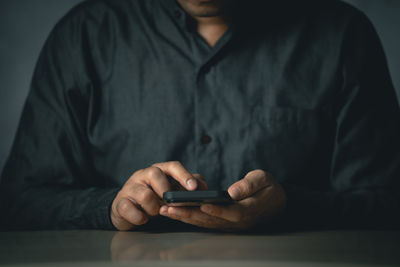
249 185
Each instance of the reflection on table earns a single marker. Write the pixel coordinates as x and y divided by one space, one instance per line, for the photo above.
334 247
108 248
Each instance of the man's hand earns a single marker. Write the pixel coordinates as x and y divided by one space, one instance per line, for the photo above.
141 196
259 198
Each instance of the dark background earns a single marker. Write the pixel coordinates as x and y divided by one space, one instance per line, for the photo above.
25 24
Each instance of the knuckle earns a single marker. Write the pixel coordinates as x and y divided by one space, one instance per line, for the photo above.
134 176
259 171
175 164
137 172
155 165
128 213
247 187
152 172
266 176
264 180
145 196
123 206
141 219
253 173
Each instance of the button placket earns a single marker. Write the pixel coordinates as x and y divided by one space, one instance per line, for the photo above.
207 149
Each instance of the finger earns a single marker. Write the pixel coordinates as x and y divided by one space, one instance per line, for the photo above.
120 222
195 217
175 185
239 211
249 185
176 170
232 213
130 214
156 179
202 184
272 198
147 200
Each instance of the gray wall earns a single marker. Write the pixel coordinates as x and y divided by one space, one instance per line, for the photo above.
24 26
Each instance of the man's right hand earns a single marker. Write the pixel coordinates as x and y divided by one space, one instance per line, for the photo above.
141 196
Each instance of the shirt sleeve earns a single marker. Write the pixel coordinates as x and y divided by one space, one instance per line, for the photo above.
49 181
365 168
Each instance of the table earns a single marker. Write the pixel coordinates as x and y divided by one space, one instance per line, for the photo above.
108 248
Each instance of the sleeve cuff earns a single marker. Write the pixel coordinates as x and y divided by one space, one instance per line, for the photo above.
102 219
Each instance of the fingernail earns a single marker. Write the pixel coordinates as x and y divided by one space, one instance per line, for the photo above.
192 184
235 193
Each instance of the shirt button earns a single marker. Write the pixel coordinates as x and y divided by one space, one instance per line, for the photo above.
178 14
205 139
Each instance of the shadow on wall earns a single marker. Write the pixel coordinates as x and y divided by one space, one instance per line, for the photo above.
24 26
385 15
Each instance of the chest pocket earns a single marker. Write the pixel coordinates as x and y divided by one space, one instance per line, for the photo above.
293 144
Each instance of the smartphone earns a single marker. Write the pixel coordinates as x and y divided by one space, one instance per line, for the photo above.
196 198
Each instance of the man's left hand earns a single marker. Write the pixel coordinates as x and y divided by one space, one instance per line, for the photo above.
258 198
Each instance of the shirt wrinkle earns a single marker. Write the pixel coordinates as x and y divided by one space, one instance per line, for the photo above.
261 98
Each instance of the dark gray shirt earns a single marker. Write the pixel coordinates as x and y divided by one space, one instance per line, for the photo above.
300 90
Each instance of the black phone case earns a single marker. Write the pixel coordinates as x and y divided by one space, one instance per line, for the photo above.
196 198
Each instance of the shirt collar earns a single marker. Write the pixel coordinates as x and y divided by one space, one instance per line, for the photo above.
187 22
178 14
